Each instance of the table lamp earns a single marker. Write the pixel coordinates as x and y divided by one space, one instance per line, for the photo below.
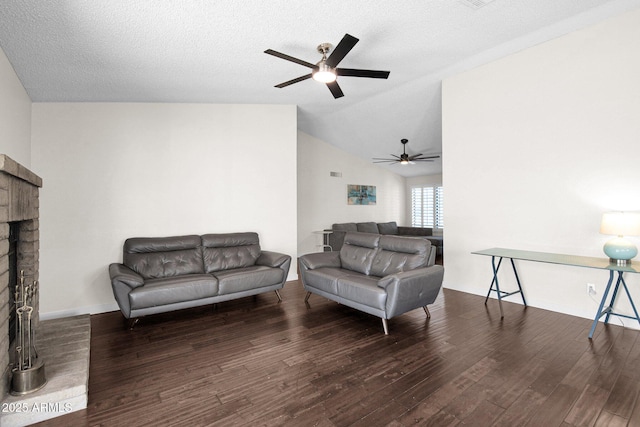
619 249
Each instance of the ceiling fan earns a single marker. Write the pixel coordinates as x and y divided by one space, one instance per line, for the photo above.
326 70
404 158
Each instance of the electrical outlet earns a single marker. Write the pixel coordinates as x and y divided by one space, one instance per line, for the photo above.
591 289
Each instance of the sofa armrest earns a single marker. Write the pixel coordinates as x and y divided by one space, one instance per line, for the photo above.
412 289
320 259
272 259
122 273
414 231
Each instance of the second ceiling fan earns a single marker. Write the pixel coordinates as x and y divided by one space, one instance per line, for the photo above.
404 158
326 70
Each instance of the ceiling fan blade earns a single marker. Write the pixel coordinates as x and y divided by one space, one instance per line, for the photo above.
290 58
422 160
385 161
352 72
292 81
335 89
346 44
418 157
397 158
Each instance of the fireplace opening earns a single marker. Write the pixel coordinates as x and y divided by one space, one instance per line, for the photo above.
14 230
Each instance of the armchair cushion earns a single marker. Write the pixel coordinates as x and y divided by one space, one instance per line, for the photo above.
363 289
347 226
229 251
367 227
397 254
171 290
324 279
242 279
154 258
358 252
388 228
415 231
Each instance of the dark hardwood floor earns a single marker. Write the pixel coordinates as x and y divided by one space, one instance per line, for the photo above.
258 362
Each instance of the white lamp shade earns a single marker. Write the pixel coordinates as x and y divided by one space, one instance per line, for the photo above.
620 223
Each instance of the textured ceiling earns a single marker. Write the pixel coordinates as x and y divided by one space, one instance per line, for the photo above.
212 51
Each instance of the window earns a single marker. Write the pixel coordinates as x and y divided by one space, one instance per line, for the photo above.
427 207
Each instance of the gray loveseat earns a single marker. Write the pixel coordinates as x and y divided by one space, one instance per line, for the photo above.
379 274
336 238
160 274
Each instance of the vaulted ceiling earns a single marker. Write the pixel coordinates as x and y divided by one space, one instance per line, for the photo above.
203 51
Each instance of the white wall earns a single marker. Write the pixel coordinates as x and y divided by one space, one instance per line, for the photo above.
536 146
322 199
113 171
15 115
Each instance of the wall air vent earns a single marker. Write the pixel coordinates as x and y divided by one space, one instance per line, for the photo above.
475 4
336 174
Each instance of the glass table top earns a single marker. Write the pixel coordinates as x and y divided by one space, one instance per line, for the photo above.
562 259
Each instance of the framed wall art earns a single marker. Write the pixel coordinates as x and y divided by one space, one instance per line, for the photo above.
361 194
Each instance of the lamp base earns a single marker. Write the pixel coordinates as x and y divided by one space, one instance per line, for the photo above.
620 262
620 249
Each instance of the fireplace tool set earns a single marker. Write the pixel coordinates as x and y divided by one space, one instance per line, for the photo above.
28 370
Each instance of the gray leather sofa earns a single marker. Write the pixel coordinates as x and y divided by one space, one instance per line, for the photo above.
160 274
388 228
379 274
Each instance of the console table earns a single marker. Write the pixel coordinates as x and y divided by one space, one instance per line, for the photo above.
571 260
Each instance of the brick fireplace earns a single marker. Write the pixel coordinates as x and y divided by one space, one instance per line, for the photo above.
19 207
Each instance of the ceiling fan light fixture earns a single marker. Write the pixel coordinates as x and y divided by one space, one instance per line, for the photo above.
324 73
404 162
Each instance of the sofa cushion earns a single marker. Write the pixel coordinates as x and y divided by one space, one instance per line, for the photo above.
367 227
324 278
388 228
397 254
358 251
244 279
415 231
229 251
347 226
157 257
171 290
362 289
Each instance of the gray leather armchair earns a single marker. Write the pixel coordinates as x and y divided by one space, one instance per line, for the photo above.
379 274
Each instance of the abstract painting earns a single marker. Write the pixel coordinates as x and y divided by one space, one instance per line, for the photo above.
361 194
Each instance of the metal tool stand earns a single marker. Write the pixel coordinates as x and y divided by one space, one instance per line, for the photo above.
28 371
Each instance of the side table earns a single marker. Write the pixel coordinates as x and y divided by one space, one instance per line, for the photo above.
325 239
